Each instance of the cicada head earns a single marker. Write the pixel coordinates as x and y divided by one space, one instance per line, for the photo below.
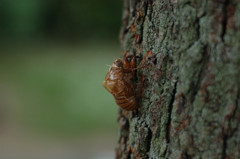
117 63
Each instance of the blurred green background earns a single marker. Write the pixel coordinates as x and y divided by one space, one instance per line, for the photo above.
54 56
60 19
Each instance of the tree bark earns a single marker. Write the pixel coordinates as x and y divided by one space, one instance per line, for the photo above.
190 93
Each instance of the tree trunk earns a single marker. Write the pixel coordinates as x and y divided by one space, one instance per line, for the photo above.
190 93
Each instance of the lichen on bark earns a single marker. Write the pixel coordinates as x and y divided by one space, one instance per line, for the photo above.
190 93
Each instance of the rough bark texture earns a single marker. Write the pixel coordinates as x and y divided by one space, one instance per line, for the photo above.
190 94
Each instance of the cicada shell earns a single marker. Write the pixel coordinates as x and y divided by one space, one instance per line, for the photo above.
118 83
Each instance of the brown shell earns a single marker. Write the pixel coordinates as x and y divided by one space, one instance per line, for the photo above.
118 83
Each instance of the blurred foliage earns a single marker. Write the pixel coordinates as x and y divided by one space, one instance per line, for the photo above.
48 83
59 93
66 19
52 66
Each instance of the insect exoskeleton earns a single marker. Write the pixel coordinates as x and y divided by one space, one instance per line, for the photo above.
118 83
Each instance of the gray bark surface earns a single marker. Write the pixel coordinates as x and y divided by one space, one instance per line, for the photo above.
190 94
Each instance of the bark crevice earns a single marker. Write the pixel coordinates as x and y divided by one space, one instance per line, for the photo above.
225 19
225 137
202 72
149 139
170 112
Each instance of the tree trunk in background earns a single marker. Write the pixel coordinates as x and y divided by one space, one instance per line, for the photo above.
189 100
